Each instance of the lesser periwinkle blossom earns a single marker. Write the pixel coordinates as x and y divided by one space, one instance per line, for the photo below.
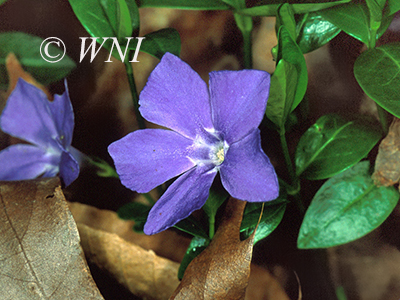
48 127
212 130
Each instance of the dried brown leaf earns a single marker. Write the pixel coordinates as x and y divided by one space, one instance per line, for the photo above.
387 165
222 270
264 286
40 255
167 244
143 272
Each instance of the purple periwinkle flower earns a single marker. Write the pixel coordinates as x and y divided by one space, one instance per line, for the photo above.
47 126
212 130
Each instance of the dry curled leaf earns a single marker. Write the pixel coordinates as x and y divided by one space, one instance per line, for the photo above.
222 270
387 165
167 244
40 255
262 285
143 272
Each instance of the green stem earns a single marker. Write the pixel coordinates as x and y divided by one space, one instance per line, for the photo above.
372 38
288 160
247 50
212 226
135 96
245 24
103 168
295 183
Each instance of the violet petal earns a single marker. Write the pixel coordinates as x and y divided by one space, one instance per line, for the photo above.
247 173
63 117
147 158
21 161
187 194
27 116
176 97
238 101
69 167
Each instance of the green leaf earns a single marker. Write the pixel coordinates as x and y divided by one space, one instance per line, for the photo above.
185 4
314 31
26 48
235 4
139 212
332 145
159 42
282 93
375 8
191 226
352 18
108 18
2 1
272 216
124 23
347 207
135 211
393 6
285 16
196 246
214 201
378 73
265 8
290 52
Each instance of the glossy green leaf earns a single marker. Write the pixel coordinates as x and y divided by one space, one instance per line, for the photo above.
159 42
285 16
347 207
314 31
378 73
282 93
272 216
26 48
196 246
108 18
352 18
185 4
290 52
265 8
332 145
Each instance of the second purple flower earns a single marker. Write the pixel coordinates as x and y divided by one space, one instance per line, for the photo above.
212 129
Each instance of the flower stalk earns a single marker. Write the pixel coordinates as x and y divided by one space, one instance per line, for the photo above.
135 96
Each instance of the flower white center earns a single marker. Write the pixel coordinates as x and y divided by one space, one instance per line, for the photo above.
208 152
217 153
